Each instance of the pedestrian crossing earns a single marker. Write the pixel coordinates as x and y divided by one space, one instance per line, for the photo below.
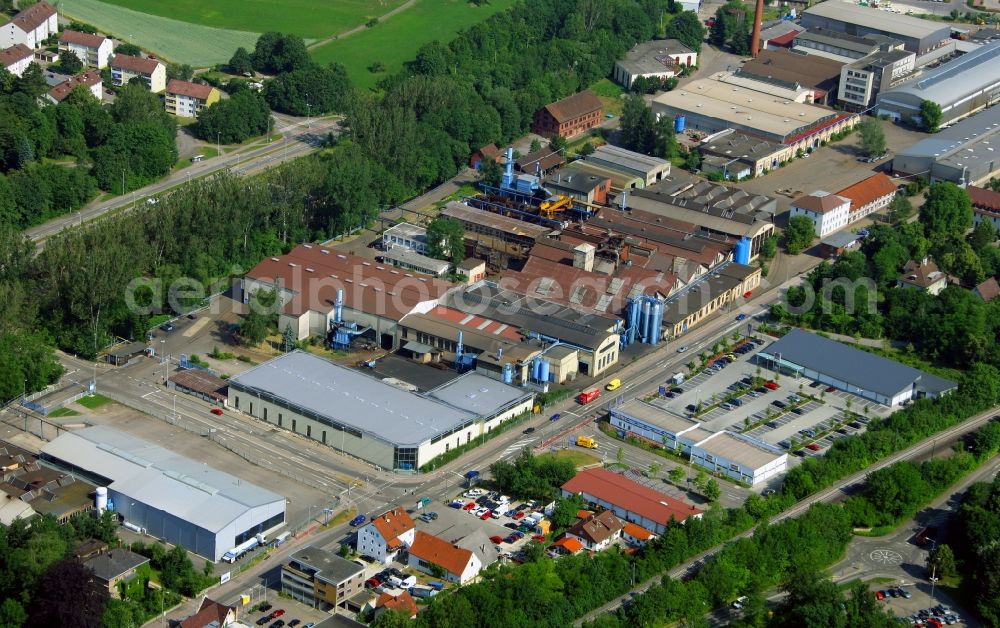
515 448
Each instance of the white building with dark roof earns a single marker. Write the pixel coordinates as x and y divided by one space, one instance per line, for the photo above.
917 35
660 58
167 495
93 50
828 212
16 59
740 457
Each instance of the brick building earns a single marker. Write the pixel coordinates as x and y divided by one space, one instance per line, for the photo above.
568 117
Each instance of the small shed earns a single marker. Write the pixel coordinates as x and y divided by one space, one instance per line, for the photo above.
200 384
121 355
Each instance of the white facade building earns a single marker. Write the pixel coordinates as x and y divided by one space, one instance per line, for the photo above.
740 457
828 212
386 535
16 59
31 26
92 50
460 565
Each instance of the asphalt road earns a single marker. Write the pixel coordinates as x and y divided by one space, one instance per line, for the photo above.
300 136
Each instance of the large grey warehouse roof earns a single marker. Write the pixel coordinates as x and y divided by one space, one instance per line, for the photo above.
969 130
479 394
954 80
873 18
158 477
842 362
347 397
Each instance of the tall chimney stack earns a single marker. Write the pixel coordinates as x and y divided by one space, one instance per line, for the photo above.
758 15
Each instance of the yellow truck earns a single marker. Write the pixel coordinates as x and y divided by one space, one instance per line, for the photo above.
586 441
614 384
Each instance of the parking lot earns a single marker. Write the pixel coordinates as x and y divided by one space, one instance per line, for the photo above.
277 612
915 606
741 395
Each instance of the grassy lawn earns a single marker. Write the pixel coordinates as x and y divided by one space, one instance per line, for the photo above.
398 38
610 94
342 517
307 18
175 40
579 458
206 152
63 412
94 401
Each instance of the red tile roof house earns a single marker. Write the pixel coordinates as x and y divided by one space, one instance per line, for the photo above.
211 614
568 117
31 26
402 603
460 565
90 79
637 536
985 205
490 152
16 59
988 290
92 50
629 500
868 195
567 545
597 532
386 535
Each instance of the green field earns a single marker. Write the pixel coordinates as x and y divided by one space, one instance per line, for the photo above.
93 401
178 41
398 38
307 18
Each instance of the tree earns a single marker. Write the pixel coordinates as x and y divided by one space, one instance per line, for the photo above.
947 211
288 339
620 455
535 145
930 114
179 71
677 475
587 149
261 315
12 614
557 143
309 90
872 137
275 53
68 595
565 510
446 240
638 127
900 209
983 235
942 561
654 469
799 234
688 29
128 49
712 490
241 62
69 63
234 120
692 160
490 172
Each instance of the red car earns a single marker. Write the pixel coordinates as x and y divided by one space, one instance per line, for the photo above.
812 447
373 583
538 537
486 515
830 389
469 506
518 515
496 540
879 596
278 613
771 385
217 411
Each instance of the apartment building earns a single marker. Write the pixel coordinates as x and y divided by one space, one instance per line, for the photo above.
124 68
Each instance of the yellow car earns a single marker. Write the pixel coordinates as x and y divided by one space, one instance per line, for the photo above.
614 384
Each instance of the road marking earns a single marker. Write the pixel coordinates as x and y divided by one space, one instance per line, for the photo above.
197 327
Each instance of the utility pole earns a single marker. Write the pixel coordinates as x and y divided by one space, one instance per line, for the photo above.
218 149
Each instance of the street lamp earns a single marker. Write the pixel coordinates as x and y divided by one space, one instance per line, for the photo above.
218 141
933 582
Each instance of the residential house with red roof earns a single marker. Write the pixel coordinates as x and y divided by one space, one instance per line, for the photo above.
16 59
868 195
985 205
598 531
923 275
428 552
386 535
31 26
211 614
628 500
186 99
93 50
568 117
636 535
124 68
568 545
89 79
490 152
828 212
402 603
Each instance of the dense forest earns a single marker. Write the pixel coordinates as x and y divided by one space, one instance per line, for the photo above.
54 158
978 532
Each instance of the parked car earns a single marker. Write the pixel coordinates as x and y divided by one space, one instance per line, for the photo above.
294 622
528 430
457 504
511 525
779 404
812 447
167 327
740 601
771 385
469 506
496 539
880 595
263 620
682 349
538 537
486 515
798 411
830 389
518 516
278 613
266 606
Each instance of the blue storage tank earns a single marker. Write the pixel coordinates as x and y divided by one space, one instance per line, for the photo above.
679 124
644 321
743 251
544 374
536 369
508 374
633 319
